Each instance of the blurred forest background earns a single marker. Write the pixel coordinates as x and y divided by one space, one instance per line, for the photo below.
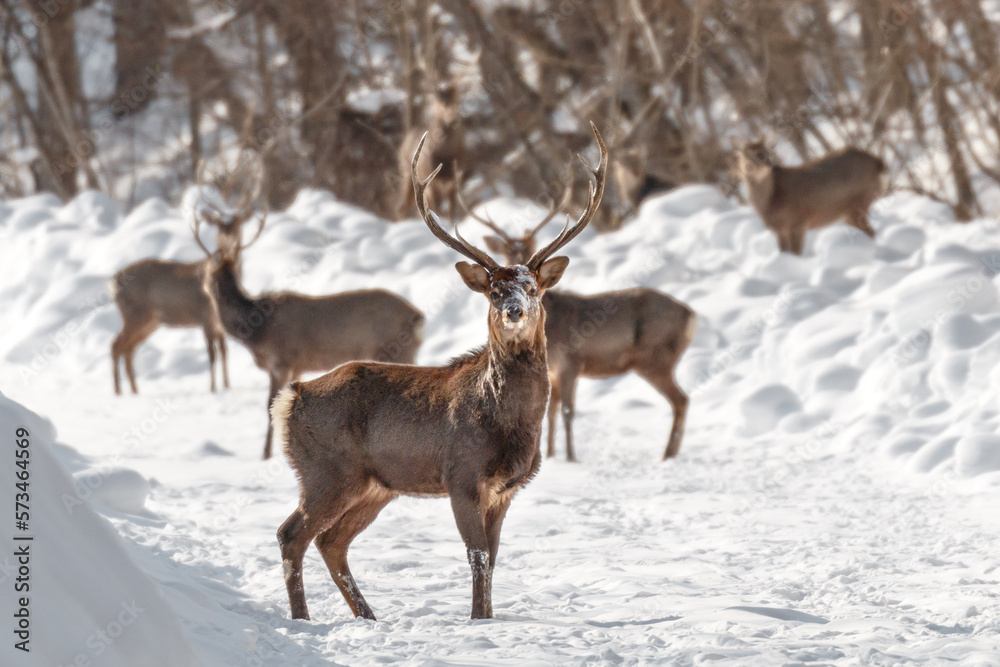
126 96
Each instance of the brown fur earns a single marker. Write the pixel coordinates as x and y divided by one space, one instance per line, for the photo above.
610 334
152 293
446 146
366 433
289 334
793 200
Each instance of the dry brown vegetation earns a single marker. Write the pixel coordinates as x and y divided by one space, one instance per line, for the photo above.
668 81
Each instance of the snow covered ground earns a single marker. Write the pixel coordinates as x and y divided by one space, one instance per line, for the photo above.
835 500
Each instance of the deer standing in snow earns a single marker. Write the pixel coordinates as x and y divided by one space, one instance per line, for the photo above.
289 334
152 293
366 433
446 144
604 335
793 200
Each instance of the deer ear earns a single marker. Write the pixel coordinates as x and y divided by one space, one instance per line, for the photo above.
474 276
551 271
494 244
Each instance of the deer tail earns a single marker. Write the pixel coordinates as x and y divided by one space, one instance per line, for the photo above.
281 414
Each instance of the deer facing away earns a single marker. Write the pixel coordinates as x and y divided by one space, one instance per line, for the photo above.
793 200
446 143
289 334
152 293
366 433
604 335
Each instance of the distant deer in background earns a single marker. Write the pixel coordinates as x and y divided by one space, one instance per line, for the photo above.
152 293
633 184
793 200
289 334
367 433
446 147
609 334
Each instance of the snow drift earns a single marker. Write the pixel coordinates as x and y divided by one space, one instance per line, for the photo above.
89 603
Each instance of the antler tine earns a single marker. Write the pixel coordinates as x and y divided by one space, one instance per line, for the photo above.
556 207
196 230
261 219
245 203
202 202
486 221
596 193
431 219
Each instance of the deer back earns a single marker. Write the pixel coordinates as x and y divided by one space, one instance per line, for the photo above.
319 333
613 332
170 292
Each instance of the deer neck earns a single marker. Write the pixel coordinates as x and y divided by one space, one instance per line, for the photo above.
760 183
515 378
242 317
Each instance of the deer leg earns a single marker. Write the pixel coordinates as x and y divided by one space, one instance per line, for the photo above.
664 382
220 340
334 543
293 538
796 239
494 521
314 515
554 401
115 363
127 341
466 505
210 344
278 380
567 387
859 220
783 244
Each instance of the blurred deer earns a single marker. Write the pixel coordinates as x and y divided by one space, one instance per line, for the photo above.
446 146
793 200
367 433
605 335
289 334
152 293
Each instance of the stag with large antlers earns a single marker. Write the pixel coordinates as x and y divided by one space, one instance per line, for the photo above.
152 293
605 335
366 433
289 334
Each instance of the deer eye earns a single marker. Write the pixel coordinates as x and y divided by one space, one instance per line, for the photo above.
532 291
495 295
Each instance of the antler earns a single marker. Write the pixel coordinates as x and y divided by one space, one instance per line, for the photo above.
556 207
244 205
430 218
596 193
196 230
486 221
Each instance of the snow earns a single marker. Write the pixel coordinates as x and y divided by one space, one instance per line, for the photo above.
833 501
89 602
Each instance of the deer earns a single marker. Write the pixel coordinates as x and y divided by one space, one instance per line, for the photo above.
606 335
793 200
446 147
152 293
368 432
289 334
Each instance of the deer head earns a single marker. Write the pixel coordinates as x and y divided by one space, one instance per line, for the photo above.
519 249
229 223
514 291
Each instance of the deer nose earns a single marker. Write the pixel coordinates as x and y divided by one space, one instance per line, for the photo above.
514 314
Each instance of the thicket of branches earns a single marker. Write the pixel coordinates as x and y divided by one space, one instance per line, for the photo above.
127 95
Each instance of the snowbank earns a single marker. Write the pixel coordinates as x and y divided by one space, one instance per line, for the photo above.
88 602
